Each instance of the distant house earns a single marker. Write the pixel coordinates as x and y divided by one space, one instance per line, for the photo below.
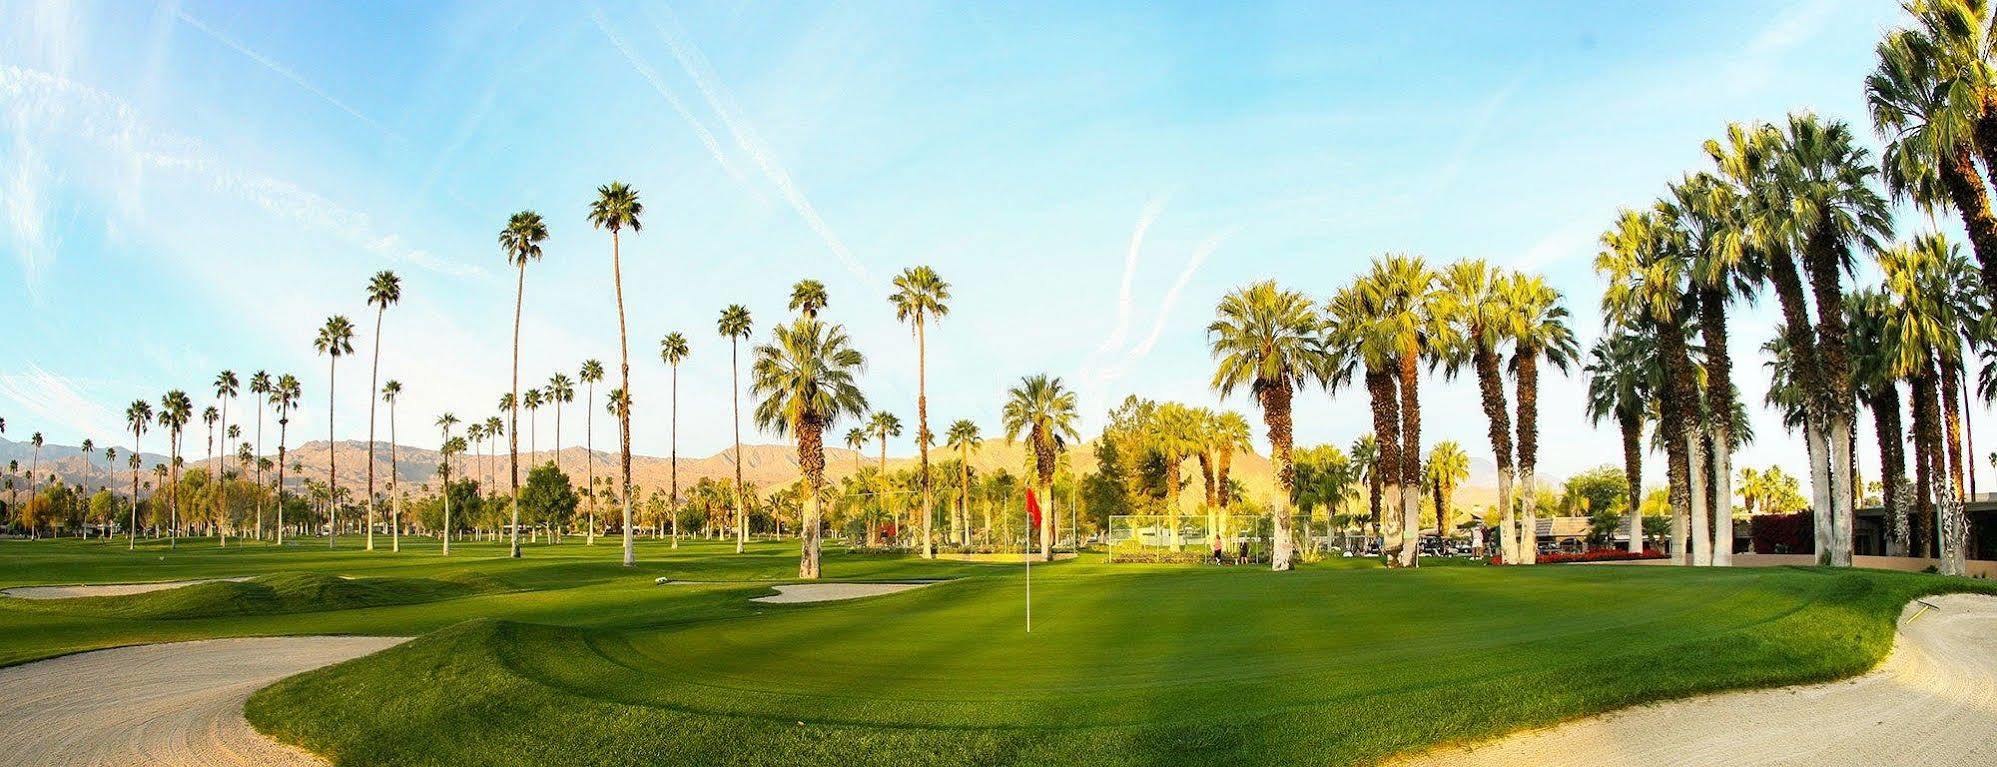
1869 528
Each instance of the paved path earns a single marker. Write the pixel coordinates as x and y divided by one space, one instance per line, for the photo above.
164 705
1933 702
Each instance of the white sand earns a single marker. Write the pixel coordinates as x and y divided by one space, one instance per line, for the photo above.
1933 702
102 590
793 593
172 705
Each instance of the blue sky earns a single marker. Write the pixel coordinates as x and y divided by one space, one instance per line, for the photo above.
188 187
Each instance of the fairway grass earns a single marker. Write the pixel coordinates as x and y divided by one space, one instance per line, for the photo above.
565 658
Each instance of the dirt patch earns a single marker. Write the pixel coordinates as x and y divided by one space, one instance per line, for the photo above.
175 705
795 593
103 589
1933 702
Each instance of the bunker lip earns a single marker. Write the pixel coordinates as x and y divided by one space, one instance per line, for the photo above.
1929 703
106 589
177 705
799 593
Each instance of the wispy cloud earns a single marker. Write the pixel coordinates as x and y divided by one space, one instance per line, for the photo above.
1145 219
1193 264
62 107
282 71
25 208
651 76
750 143
57 400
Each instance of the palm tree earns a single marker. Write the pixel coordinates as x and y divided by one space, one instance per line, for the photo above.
1710 222
1923 330
673 351
804 378
882 426
1925 106
808 298
494 429
1044 410
1353 332
1229 435
1270 340
1403 286
336 339
175 409
260 384
284 396
1622 382
532 400
617 208
521 242
1873 356
856 438
560 389
1539 331
444 424
735 325
1447 468
1648 278
1469 302
1175 435
1824 177
389 393
591 372
137 415
921 295
962 437
383 290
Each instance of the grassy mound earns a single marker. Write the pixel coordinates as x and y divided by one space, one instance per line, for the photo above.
271 595
1166 668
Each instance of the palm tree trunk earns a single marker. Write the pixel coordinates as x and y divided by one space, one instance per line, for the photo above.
513 418
1967 191
811 455
1948 532
922 433
1678 410
1702 536
623 404
1385 396
1631 423
1825 267
374 384
673 504
1498 426
132 535
735 392
1951 401
589 455
259 463
447 503
1276 415
1526 368
283 424
332 458
1410 461
1885 406
1720 409
394 501
1927 434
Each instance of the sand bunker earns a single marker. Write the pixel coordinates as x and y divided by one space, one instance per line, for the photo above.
1933 702
793 593
176 705
103 589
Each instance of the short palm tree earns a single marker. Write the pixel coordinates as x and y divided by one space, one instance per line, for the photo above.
735 325
591 372
1480 321
260 384
1539 332
226 386
804 379
617 208
882 426
1923 331
175 409
560 390
137 416
856 438
532 400
1447 468
390 392
1271 342
1175 436
384 290
1403 287
964 438
1043 409
444 424
1229 435
808 298
1622 382
521 242
673 351
920 296
1874 357
284 394
335 340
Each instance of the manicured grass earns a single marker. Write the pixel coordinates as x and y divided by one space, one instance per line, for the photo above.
565 658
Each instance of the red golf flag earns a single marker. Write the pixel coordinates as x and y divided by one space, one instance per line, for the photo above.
1033 507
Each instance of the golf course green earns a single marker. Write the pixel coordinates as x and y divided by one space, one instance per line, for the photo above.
566 658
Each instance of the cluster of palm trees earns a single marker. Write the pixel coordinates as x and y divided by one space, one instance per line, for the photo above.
1383 328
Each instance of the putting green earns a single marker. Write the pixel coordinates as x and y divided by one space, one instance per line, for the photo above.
566 658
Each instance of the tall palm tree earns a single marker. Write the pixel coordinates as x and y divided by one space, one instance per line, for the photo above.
1874 354
1710 222
389 393
1923 328
1447 468
226 386
175 409
335 340
137 416
1044 410
1404 286
1622 382
383 290
260 384
494 429
284 396
1539 332
735 325
1648 279
1926 110
1825 178
883 426
804 379
444 424
1271 342
808 298
560 390
673 351
964 438
521 242
617 208
1354 333
1469 302
591 372
920 295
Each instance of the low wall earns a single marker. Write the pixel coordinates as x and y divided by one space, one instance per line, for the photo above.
1011 558
1977 568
